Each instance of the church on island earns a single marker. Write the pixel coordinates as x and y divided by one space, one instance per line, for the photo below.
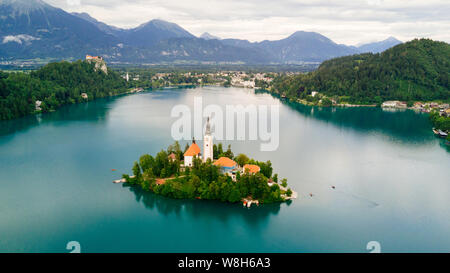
227 165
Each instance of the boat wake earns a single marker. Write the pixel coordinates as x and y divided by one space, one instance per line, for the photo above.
368 202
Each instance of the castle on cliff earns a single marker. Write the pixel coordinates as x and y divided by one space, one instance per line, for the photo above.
100 64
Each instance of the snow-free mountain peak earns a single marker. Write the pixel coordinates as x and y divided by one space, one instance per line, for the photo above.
208 36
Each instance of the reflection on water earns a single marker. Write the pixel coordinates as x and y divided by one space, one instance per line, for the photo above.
410 126
205 208
93 111
445 145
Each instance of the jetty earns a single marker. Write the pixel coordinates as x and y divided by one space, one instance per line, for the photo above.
248 202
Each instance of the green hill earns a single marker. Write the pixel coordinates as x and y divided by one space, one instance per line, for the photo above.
54 85
413 71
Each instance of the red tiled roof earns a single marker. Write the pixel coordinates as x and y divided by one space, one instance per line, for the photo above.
225 162
193 150
160 181
252 168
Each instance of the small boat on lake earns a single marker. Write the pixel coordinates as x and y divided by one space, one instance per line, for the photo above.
440 133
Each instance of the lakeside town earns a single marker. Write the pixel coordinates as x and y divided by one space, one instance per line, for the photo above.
149 78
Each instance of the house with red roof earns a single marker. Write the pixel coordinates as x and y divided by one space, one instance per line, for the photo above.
172 157
226 163
227 166
251 169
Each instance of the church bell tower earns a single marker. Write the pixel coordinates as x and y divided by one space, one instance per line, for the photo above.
208 143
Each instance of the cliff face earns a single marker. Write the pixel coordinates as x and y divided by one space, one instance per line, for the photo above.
102 66
99 65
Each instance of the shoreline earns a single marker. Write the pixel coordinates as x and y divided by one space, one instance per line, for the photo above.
344 105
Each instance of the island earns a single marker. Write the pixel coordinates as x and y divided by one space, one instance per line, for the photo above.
214 175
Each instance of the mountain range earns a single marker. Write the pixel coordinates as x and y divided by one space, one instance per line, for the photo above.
31 29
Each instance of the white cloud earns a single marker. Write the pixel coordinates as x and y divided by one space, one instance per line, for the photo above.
20 39
344 21
73 2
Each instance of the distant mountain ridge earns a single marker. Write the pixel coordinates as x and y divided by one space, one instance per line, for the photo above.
33 29
154 31
378 47
102 26
208 36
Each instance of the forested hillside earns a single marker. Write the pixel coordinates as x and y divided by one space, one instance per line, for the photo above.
413 71
54 85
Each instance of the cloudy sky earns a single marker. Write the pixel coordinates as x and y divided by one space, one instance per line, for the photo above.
344 21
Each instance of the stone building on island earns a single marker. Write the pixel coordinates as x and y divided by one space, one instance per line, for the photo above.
193 151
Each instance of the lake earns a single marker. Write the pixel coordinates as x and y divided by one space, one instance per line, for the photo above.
391 178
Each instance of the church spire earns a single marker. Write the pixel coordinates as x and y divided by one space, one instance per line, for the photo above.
208 144
208 128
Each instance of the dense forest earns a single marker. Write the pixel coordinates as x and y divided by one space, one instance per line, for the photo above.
414 71
204 180
54 85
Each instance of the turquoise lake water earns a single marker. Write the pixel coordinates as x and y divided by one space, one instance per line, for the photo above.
391 177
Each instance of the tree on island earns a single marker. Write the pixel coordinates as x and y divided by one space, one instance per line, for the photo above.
229 153
146 162
220 150
242 159
289 193
275 178
176 149
186 148
215 152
